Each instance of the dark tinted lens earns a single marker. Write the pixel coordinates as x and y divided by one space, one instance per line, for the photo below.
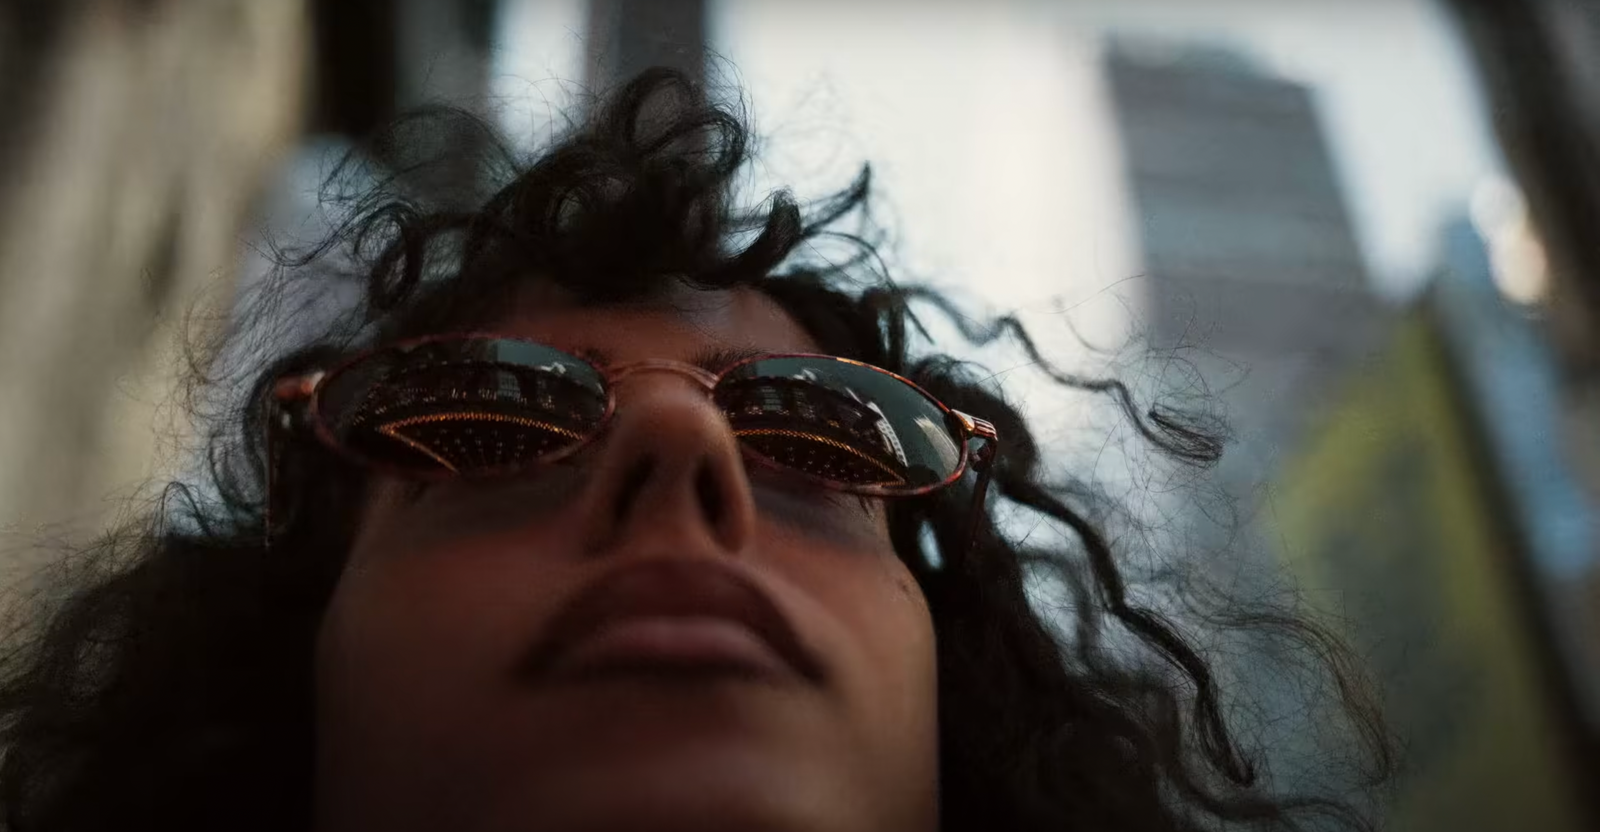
466 406
840 421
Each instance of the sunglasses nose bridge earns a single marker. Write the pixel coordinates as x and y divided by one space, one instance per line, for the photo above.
699 375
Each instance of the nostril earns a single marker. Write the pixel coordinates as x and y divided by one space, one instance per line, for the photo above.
632 484
710 495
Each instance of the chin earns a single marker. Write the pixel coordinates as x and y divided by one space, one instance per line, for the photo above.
698 792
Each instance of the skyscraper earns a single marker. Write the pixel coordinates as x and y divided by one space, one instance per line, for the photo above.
1253 274
1248 247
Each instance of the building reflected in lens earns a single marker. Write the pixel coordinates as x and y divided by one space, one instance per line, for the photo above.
818 430
467 417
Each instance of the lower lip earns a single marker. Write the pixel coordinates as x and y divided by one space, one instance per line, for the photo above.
653 645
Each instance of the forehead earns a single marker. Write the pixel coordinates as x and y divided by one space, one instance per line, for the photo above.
678 324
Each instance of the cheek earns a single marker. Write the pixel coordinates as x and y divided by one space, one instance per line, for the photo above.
897 626
879 627
422 632
897 687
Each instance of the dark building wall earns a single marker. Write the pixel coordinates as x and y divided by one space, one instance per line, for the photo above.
629 36
1249 251
1236 194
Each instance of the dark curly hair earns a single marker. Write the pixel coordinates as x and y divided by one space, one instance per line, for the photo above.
166 683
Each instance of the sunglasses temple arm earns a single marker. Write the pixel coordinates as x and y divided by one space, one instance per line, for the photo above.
285 394
982 465
266 508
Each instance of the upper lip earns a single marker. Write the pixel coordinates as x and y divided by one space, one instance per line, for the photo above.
672 588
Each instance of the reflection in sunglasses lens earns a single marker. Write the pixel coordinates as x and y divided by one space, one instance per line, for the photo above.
840 421
464 407
475 406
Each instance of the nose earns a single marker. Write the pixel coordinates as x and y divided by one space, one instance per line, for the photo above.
668 472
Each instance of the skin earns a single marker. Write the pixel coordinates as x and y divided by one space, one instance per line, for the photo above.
424 725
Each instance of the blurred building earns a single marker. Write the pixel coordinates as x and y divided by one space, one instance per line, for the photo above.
1539 63
1247 243
1254 280
1509 369
1420 483
136 138
1432 510
627 37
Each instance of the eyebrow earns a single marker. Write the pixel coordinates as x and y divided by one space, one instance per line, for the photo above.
717 359
711 359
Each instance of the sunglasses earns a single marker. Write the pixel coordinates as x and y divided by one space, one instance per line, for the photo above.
485 405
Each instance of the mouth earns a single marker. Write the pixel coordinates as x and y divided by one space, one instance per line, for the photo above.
672 619
680 647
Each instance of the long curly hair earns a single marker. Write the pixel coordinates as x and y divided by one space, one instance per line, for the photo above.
166 681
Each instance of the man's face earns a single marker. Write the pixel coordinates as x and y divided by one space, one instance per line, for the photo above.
432 715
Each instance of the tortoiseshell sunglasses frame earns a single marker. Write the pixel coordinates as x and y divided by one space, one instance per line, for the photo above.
304 390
